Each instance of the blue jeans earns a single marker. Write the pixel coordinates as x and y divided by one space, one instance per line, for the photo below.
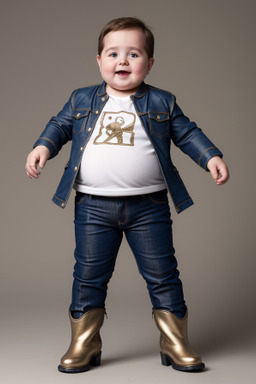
99 226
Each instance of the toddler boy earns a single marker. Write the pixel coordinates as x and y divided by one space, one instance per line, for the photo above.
121 169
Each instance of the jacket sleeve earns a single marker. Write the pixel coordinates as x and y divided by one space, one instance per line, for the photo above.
190 139
59 129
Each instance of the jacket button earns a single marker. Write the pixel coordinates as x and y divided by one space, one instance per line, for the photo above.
76 168
78 115
97 112
63 204
89 129
103 99
158 117
81 148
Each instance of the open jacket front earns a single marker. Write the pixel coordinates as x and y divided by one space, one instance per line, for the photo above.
161 118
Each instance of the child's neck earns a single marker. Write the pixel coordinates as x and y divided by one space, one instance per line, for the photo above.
120 93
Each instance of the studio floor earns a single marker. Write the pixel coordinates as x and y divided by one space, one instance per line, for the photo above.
32 344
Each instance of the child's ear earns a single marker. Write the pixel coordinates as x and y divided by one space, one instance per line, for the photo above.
99 61
150 64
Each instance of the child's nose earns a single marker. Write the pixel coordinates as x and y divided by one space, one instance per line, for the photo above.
123 61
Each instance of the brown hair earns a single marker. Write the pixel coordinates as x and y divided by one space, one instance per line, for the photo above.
128 23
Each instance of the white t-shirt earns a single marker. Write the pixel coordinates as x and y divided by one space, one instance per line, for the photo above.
119 159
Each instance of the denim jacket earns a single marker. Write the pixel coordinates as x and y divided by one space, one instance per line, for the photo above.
161 118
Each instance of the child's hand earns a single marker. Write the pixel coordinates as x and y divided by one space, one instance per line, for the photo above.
218 169
38 156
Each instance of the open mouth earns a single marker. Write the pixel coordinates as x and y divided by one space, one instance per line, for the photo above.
122 73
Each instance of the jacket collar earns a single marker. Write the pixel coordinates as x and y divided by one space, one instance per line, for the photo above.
102 89
142 90
140 93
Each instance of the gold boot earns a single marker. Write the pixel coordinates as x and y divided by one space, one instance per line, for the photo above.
85 347
174 345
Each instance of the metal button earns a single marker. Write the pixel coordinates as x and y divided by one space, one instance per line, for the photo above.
103 99
96 112
76 168
78 115
158 117
63 204
81 148
89 129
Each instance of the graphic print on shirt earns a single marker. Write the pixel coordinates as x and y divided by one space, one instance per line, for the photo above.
116 128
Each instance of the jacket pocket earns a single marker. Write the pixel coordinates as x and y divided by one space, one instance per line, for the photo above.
80 117
159 123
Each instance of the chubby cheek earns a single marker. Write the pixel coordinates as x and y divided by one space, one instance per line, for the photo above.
141 72
103 66
107 70
140 69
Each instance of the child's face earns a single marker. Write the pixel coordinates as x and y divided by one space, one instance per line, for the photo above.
124 63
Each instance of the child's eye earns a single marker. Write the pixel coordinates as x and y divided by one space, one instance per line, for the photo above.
133 55
113 54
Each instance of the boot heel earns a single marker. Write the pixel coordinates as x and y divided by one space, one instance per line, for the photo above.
96 360
165 360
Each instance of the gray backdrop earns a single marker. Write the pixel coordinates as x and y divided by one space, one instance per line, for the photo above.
205 55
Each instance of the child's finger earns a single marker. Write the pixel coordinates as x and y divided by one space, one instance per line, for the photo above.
215 173
224 179
42 162
32 172
31 168
223 176
28 174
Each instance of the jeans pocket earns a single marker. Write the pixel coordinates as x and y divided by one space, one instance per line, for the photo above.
158 197
80 197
